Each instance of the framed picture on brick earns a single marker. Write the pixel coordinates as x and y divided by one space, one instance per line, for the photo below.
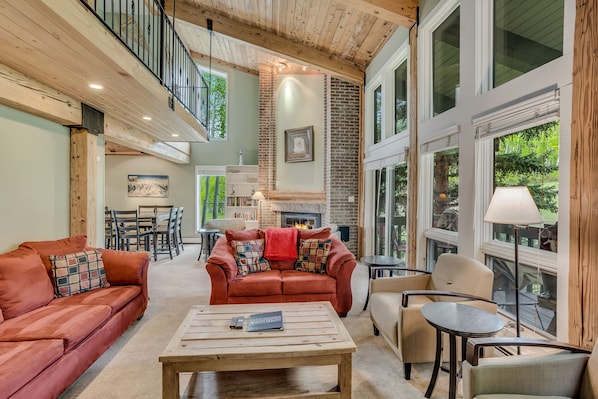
299 144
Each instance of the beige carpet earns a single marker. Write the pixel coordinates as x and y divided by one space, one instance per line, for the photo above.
130 368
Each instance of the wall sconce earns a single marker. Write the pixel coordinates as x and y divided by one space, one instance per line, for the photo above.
282 66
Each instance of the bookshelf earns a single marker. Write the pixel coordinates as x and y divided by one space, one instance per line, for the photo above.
241 183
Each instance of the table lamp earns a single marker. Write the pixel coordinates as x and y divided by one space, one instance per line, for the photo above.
259 197
515 206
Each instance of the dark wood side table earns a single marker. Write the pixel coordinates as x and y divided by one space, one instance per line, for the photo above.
457 320
208 239
376 265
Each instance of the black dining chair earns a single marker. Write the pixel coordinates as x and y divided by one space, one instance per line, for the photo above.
128 231
109 231
166 235
179 234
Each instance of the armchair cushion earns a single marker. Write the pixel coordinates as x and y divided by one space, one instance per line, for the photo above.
313 256
249 256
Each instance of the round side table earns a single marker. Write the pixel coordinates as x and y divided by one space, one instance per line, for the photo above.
208 239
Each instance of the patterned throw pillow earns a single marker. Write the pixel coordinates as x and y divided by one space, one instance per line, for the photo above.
313 255
249 256
78 272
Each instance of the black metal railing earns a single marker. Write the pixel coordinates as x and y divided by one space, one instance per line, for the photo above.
142 25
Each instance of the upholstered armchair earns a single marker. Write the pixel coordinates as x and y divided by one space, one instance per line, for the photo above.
565 372
396 302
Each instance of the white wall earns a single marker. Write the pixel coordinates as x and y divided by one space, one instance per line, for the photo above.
300 100
35 176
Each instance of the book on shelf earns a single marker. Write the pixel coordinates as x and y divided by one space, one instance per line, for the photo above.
265 321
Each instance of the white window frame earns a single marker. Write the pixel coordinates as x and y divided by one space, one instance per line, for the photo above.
204 170
426 47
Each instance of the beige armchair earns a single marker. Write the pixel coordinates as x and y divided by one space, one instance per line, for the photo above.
396 302
569 372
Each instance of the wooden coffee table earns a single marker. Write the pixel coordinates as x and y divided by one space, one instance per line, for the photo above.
313 335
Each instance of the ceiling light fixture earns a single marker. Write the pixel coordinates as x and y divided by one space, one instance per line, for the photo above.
282 66
175 135
147 118
96 86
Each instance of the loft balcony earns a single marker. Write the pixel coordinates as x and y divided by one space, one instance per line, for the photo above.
133 53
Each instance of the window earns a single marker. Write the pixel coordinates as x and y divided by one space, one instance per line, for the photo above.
527 34
398 223
400 75
445 206
445 63
378 114
217 108
530 158
380 222
210 194
538 295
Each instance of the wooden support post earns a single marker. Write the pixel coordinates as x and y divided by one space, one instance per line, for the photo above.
413 153
583 253
83 184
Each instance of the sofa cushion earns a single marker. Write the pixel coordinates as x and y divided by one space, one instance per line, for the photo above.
78 272
252 234
62 246
297 283
249 256
23 361
256 284
24 283
72 324
321 233
117 297
281 243
313 255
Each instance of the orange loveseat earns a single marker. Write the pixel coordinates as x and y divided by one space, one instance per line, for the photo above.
282 283
47 342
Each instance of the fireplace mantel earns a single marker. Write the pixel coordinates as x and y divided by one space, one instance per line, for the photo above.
298 196
298 201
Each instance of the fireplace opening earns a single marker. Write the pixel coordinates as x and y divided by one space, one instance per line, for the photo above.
300 220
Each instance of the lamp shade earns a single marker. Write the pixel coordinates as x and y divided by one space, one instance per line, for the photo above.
513 205
258 196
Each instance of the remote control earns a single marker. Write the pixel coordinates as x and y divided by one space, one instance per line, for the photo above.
237 322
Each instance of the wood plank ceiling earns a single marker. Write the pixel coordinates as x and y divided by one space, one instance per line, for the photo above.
60 44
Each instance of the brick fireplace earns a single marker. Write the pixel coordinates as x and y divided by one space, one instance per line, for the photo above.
301 220
341 151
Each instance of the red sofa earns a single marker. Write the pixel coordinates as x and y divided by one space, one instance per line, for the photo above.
47 342
282 283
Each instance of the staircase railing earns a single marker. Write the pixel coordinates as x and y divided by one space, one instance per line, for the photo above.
143 26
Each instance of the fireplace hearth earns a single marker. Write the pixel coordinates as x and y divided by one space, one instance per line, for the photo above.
301 220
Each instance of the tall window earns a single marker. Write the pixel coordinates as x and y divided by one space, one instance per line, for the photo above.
210 194
446 190
378 114
217 115
527 34
401 98
445 63
398 223
530 157
380 222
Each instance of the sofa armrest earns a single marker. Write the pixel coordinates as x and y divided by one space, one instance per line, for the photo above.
340 265
222 257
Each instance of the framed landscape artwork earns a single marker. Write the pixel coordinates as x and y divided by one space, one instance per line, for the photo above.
299 144
149 186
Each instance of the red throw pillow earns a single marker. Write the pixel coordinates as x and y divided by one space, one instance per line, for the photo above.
62 246
24 282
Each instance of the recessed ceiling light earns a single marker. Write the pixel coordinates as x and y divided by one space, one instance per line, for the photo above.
147 118
175 135
96 86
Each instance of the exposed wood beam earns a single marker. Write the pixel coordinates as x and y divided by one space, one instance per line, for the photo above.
198 56
84 173
399 12
269 42
118 132
27 95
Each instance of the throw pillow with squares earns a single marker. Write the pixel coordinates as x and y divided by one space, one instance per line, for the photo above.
313 255
78 272
249 256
